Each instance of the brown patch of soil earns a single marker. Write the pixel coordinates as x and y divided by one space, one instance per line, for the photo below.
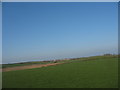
28 67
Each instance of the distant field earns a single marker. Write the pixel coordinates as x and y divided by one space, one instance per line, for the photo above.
59 61
23 64
94 72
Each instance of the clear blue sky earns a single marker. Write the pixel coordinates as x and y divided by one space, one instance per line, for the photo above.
41 31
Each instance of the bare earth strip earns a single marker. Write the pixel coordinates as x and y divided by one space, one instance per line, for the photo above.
27 67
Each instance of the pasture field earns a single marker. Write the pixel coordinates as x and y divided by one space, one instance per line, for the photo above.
94 72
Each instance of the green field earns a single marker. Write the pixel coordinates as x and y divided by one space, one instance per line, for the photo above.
101 72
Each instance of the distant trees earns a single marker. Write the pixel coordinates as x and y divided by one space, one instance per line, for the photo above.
111 55
55 61
108 54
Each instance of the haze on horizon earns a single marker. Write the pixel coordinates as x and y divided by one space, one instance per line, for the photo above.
41 31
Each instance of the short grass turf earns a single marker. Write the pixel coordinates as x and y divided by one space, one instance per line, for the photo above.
99 73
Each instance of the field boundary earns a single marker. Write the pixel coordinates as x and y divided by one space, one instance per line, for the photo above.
27 67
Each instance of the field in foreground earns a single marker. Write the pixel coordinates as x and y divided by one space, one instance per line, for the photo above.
97 73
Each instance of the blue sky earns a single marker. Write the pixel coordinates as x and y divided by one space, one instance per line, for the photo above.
41 31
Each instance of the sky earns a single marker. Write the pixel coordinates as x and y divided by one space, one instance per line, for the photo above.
35 31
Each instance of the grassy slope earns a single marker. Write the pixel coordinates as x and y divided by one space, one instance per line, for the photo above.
101 73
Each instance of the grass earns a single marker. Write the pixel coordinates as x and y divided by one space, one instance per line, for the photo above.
101 72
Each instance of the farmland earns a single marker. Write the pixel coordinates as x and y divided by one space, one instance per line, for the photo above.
90 72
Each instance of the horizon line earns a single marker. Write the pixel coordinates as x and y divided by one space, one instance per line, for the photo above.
63 58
